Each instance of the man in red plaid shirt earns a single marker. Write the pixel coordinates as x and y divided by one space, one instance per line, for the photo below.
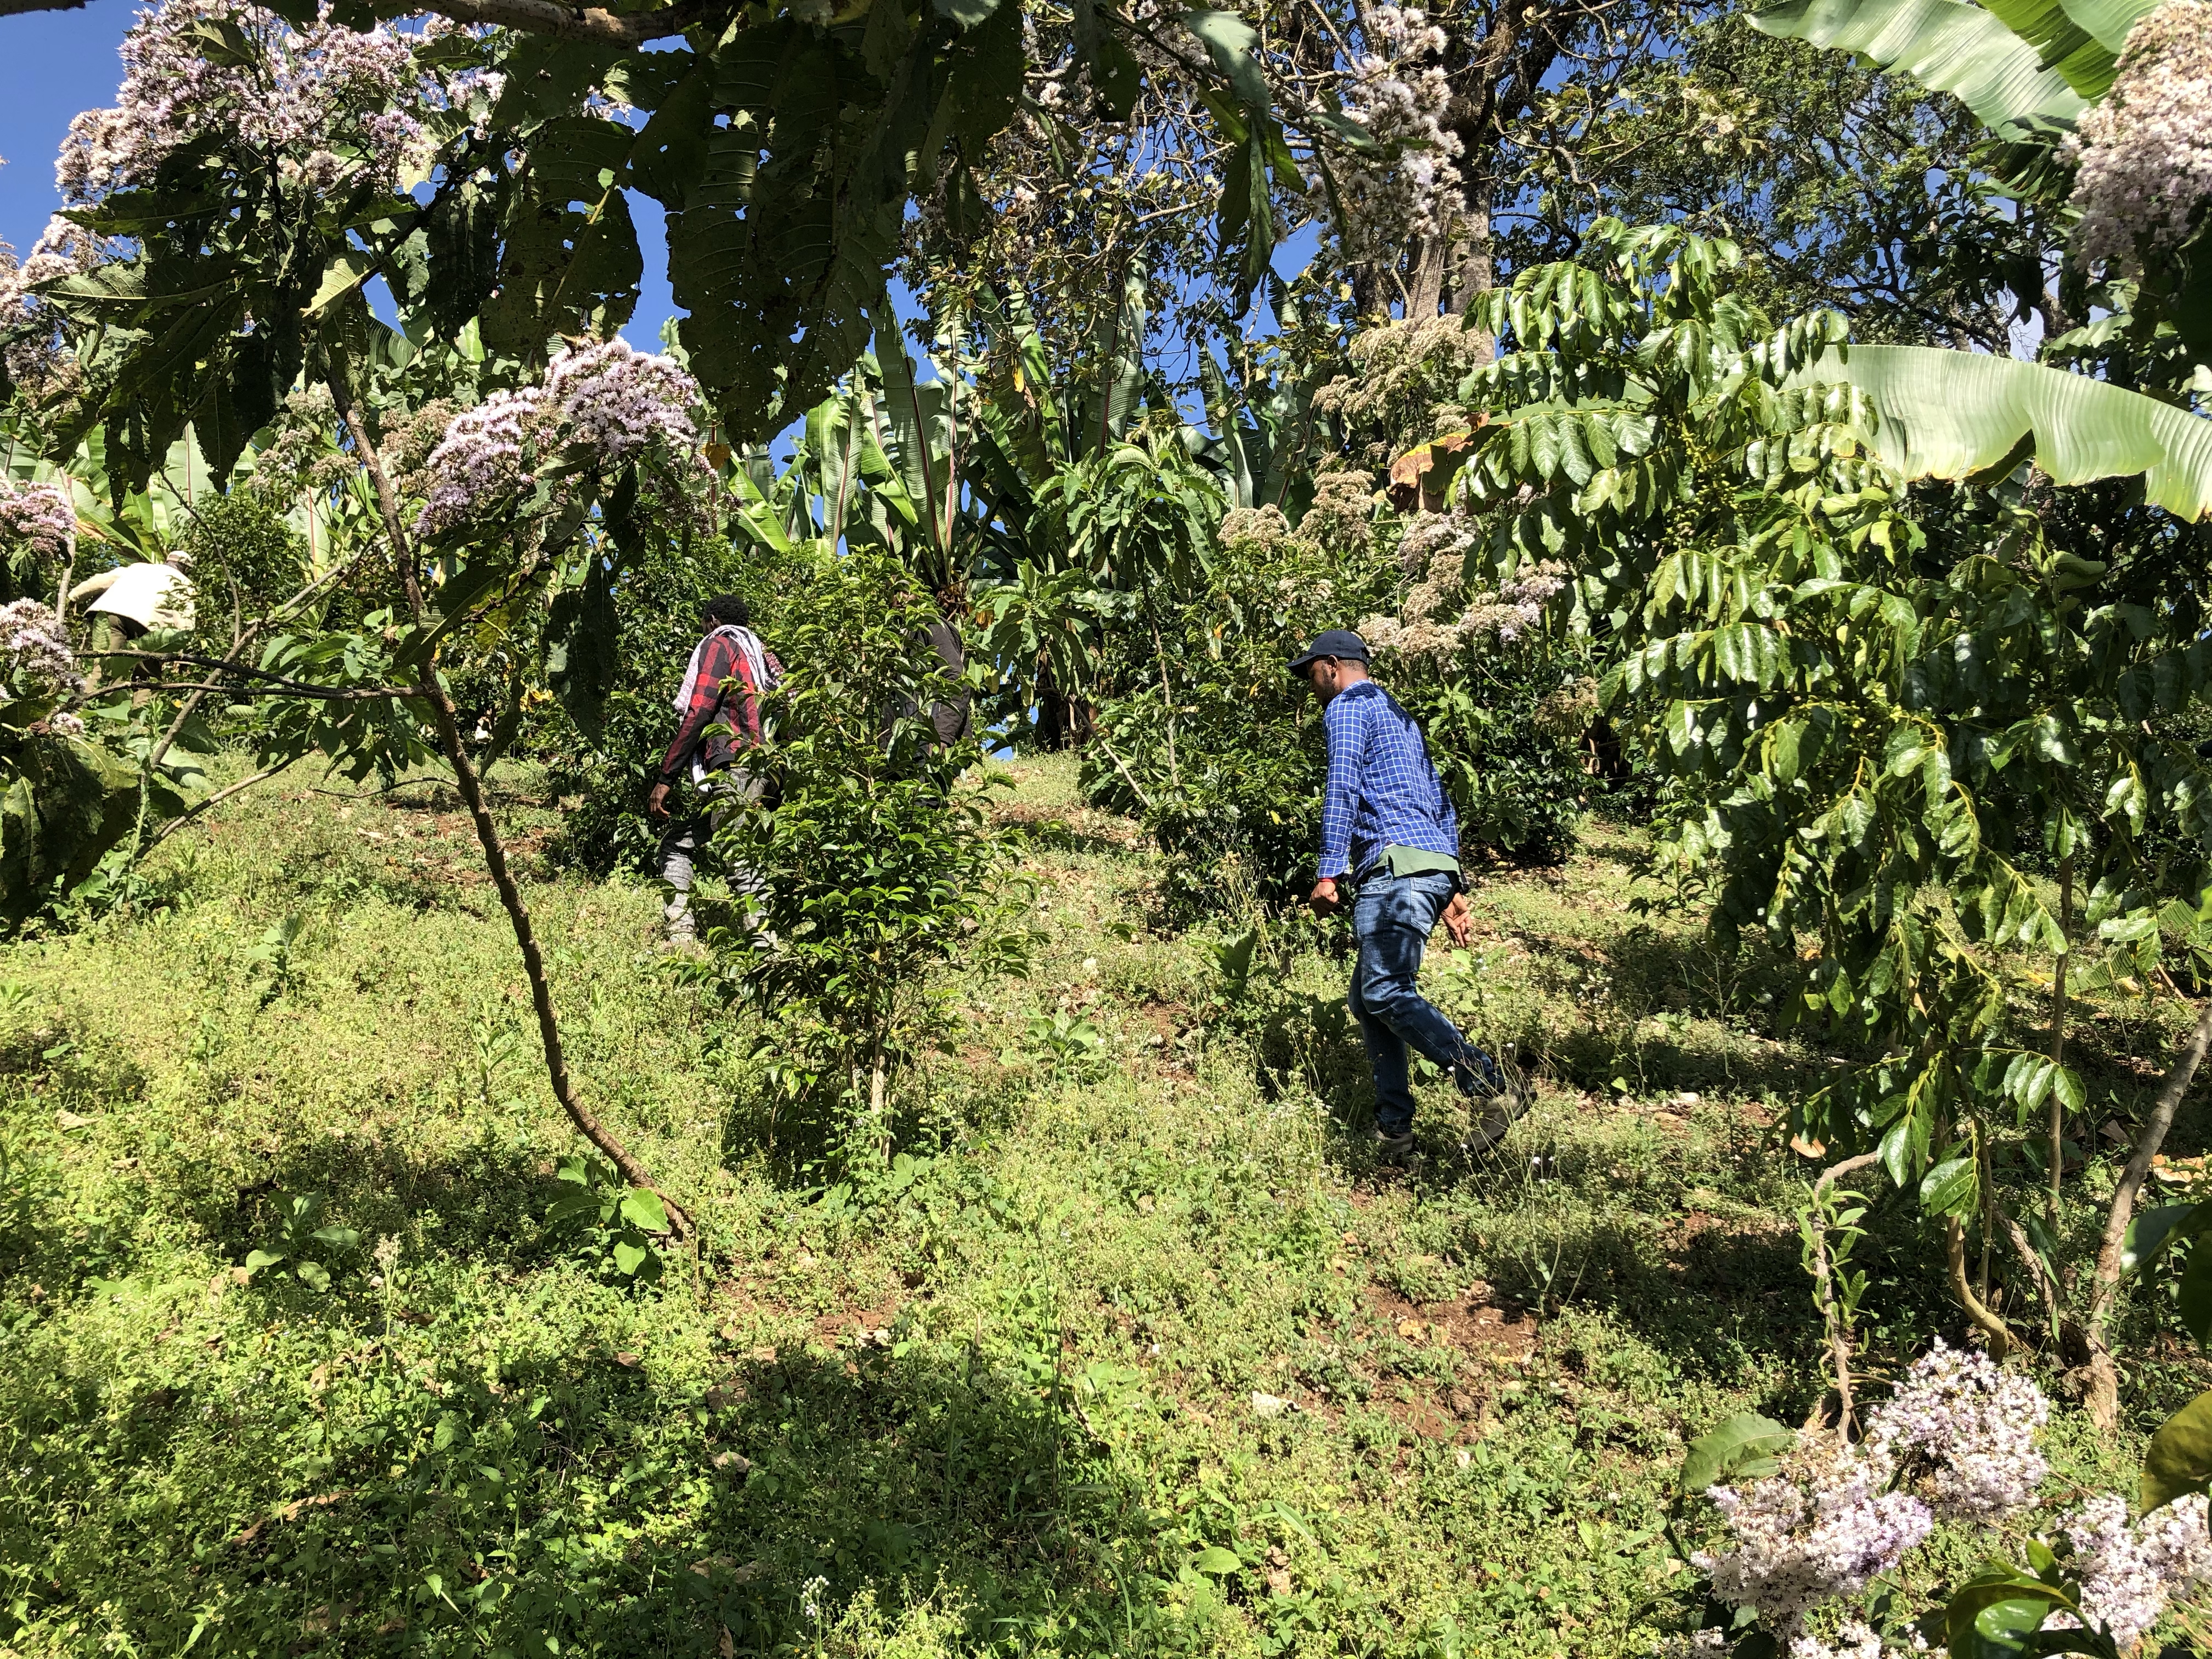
719 709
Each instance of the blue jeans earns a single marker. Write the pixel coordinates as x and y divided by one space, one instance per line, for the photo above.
1392 917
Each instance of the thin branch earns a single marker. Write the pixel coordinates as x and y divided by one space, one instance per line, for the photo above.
325 694
432 690
216 799
2170 1094
1839 1343
302 688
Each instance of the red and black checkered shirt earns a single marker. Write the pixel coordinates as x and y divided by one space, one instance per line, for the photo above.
723 695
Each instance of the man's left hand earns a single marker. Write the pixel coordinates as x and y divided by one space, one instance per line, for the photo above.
1459 922
1324 899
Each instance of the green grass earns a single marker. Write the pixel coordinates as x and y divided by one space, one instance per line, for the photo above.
1136 1351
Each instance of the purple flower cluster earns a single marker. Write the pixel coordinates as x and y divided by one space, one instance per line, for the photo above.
64 249
480 460
607 399
1854 1639
2145 153
41 515
1821 1528
1969 1427
2129 1573
617 400
35 652
313 99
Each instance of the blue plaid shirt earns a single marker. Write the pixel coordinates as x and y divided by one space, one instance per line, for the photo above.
1382 792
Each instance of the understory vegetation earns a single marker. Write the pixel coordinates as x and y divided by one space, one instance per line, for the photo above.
1129 1347
920 1197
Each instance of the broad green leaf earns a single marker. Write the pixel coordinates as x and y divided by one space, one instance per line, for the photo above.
338 1238
1217 1562
1950 1188
1230 39
257 1259
343 276
1745 1446
312 1276
629 1258
1950 414
2152 1230
582 641
2179 1459
2194 1300
643 1210
1947 44
2001 1621
2109 20
2059 43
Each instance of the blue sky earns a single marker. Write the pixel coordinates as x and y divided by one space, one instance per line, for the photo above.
52 64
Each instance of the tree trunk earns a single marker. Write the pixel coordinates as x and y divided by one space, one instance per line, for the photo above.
1994 1329
1425 269
1477 272
432 690
2059 1036
2102 1392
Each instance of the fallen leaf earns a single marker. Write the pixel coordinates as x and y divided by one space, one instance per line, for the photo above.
1807 1148
627 1358
1268 1404
1412 1331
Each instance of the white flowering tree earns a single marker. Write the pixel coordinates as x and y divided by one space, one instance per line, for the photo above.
1817 1534
266 165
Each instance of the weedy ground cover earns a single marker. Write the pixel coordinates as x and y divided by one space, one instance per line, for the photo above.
318 1334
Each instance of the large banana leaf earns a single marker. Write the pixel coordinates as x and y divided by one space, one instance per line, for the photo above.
1948 414
2060 43
2109 20
1947 45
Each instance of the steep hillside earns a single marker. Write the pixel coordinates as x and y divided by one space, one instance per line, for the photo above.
1130 1348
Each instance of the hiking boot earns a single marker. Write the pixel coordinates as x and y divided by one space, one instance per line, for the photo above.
1504 1091
1394 1149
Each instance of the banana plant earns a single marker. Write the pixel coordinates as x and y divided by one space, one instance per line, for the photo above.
1958 414
2029 69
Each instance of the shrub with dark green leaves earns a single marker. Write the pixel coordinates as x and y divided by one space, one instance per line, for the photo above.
245 560
662 592
1230 785
872 862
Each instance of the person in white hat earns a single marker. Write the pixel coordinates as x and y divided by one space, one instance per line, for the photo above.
135 599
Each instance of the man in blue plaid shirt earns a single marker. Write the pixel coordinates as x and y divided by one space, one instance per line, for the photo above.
1389 831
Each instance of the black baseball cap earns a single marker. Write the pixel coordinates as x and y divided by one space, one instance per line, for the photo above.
1333 642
